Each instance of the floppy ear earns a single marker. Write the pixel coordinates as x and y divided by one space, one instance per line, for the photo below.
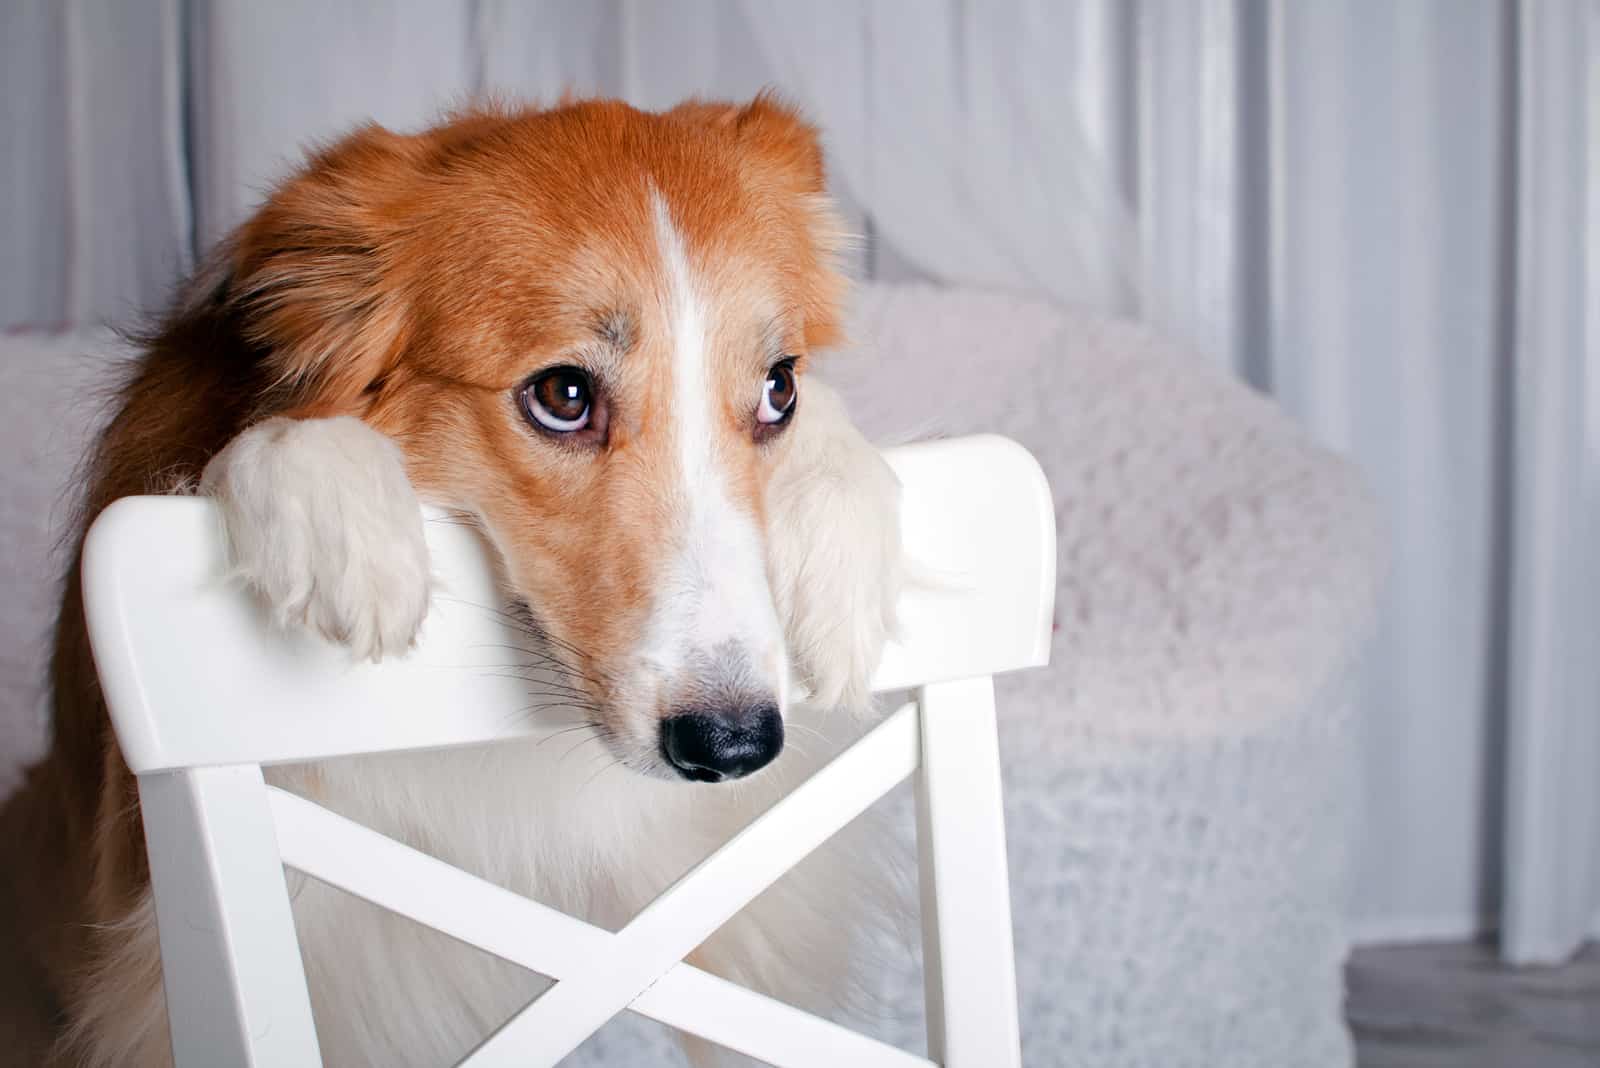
785 152
316 275
833 515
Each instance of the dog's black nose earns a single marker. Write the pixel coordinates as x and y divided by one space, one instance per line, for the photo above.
714 746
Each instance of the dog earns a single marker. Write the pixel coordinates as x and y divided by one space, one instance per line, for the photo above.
589 332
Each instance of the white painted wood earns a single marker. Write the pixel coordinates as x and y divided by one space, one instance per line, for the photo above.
689 911
978 525
236 991
966 900
390 874
174 641
932 959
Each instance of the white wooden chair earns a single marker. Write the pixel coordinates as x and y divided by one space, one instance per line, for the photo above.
203 693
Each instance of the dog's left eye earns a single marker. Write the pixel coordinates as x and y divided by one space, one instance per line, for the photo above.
778 395
561 400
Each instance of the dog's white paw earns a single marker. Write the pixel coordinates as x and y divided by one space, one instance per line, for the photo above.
323 523
834 537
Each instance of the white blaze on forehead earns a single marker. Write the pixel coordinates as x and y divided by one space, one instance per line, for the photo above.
691 375
717 592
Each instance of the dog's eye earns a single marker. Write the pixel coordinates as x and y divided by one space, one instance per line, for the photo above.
561 400
778 395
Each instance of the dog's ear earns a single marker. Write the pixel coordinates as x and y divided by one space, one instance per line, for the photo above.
785 151
771 128
314 274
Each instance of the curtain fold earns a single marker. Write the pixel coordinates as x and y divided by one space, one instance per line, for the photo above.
1552 824
1388 340
952 124
96 207
1191 164
1384 214
269 80
33 258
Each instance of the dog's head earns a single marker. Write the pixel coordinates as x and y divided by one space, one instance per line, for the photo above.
587 327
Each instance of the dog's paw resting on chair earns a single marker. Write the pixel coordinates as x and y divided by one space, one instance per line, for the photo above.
835 546
323 523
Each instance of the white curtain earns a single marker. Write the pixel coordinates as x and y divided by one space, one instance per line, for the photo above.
1383 214
95 211
1552 828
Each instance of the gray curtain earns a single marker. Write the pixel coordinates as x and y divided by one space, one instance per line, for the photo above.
96 203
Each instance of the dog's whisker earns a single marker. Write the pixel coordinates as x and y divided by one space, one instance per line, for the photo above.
454 519
553 706
517 621
546 662
541 688
550 679
798 726
587 727
603 754
599 772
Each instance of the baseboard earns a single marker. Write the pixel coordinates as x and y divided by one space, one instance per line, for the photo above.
1378 930
1398 930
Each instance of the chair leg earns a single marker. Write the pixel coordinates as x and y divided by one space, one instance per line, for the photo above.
236 989
968 965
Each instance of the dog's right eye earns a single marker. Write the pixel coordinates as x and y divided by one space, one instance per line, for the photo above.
560 400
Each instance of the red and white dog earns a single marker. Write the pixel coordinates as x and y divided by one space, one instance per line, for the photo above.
588 330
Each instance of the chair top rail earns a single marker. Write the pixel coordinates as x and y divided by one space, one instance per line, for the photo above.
195 674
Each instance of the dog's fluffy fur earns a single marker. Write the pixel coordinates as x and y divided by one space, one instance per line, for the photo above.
354 349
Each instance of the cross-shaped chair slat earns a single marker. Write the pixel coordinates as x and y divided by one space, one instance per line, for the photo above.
355 859
203 692
692 909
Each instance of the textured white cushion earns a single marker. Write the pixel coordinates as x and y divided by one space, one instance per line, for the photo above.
1177 780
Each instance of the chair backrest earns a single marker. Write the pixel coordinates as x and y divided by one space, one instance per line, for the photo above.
202 692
